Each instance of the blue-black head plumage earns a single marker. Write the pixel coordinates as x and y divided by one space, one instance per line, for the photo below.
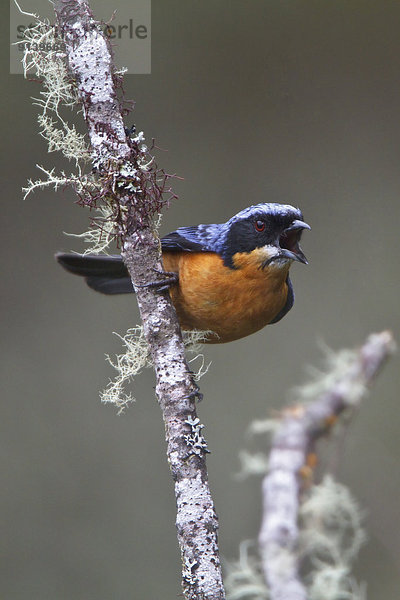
269 225
261 225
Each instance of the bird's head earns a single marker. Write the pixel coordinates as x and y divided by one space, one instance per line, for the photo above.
272 229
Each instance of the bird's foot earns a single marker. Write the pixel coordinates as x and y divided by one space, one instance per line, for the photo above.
169 279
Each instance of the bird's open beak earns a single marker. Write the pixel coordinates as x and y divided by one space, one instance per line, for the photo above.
289 241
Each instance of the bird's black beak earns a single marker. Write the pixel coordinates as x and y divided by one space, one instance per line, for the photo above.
289 241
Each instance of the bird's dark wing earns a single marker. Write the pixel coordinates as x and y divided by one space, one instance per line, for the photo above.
191 239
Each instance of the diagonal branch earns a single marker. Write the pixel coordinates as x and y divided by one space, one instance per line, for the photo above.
293 448
118 161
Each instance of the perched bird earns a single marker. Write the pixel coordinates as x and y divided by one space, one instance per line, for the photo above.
232 278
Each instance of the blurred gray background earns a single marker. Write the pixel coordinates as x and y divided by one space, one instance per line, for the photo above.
288 101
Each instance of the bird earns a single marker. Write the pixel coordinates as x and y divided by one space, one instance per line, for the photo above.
229 279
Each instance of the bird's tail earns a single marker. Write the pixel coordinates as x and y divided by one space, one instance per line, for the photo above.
105 274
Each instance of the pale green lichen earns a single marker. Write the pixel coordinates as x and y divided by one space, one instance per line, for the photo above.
331 535
252 463
79 182
102 232
44 58
136 357
262 426
66 140
243 578
336 374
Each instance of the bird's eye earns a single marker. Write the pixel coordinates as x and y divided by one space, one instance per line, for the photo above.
259 225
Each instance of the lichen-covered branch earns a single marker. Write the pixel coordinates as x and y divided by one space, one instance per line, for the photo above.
132 188
292 454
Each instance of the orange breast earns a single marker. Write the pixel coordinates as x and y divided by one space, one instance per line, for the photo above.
233 303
